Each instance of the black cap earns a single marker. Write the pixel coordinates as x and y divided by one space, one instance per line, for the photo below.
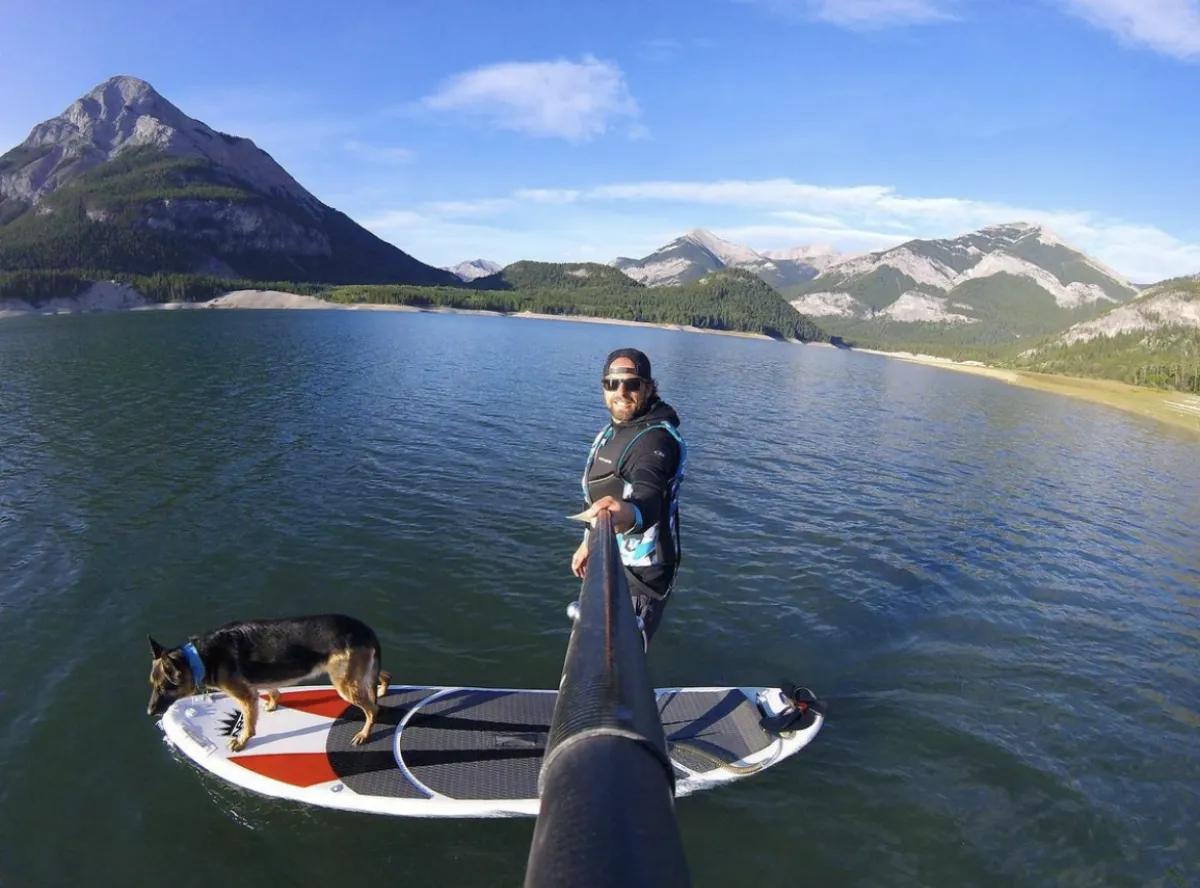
641 363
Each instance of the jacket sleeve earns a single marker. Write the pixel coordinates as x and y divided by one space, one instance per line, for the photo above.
649 466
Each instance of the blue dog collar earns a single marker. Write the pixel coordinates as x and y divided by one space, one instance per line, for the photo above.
196 665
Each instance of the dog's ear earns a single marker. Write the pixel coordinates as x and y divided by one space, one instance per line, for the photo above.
155 648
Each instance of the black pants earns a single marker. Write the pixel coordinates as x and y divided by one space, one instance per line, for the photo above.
648 602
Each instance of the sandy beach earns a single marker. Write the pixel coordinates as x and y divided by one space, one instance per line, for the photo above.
1174 408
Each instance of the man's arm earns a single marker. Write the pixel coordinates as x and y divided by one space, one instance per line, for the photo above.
650 466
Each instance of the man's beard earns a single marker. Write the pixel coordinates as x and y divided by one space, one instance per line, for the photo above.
623 411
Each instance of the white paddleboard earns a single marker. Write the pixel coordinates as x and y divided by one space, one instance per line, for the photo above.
459 752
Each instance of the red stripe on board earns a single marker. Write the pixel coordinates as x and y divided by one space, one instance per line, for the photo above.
324 702
295 768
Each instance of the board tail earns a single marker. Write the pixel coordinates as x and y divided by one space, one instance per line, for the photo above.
798 710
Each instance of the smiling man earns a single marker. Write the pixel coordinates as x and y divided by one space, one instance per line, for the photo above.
634 470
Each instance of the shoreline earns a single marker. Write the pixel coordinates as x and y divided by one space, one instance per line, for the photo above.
1173 408
1176 409
109 296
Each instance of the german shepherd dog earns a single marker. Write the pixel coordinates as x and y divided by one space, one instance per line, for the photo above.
249 656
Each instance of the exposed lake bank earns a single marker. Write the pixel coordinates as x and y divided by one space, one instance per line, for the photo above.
1175 408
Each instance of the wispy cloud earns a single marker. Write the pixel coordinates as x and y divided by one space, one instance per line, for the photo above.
828 222
378 153
563 99
1143 252
488 206
638 132
445 241
659 49
767 237
548 195
1171 27
862 13
776 213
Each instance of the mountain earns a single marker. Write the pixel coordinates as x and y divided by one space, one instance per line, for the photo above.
474 268
731 299
1154 340
529 275
700 252
124 182
998 285
739 292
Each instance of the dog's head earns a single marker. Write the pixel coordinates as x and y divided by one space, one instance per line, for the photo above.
170 677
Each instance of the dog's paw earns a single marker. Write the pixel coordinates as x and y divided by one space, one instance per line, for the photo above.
360 738
237 744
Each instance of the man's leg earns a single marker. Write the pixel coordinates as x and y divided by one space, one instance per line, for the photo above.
651 611
648 603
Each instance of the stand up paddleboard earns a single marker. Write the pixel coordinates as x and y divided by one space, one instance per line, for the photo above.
463 752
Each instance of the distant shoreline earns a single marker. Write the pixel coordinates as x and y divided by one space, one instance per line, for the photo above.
1174 408
108 296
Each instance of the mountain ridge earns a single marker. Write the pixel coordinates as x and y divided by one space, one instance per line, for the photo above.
124 181
699 252
998 286
1151 340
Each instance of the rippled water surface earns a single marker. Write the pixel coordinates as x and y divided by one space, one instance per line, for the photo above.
998 591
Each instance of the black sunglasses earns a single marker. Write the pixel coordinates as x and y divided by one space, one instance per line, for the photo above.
629 383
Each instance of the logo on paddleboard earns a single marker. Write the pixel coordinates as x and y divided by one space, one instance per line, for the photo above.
531 740
232 723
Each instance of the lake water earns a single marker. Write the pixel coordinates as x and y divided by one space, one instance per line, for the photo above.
996 589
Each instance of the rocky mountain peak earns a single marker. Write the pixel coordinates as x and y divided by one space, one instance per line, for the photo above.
126 182
126 112
472 269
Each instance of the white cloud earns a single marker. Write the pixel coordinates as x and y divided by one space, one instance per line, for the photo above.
487 206
638 132
1142 252
444 241
377 153
773 237
809 219
1171 27
393 220
548 195
563 99
777 213
862 13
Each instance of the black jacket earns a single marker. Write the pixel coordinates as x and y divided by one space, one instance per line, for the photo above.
642 462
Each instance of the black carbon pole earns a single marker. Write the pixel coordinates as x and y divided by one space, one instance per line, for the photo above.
607 813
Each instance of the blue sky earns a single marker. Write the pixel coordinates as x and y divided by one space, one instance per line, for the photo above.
545 129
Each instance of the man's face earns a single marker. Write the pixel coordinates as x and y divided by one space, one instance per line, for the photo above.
625 393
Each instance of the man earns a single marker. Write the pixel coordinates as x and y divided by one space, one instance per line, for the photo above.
634 470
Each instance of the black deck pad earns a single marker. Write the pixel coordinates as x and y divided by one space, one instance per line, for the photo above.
488 744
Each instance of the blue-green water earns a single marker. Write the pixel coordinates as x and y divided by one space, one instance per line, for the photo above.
998 591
